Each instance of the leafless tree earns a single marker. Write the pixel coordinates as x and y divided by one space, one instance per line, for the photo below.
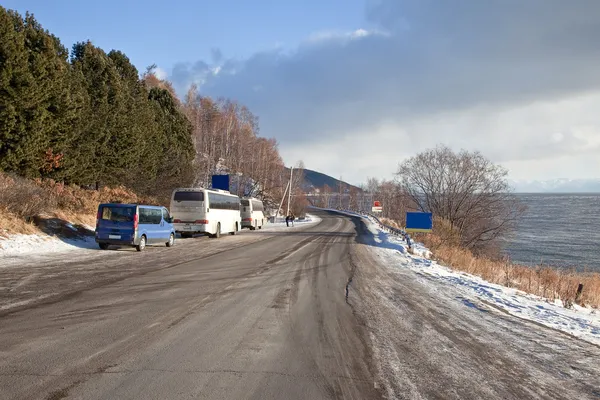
372 185
225 135
465 189
353 201
326 195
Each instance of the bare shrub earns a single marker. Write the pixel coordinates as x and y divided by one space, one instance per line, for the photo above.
24 199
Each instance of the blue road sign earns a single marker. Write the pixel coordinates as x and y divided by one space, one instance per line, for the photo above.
220 182
419 222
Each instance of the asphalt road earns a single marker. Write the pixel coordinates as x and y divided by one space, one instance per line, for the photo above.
263 315
254 316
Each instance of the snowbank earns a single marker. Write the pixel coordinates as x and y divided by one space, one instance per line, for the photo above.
477 293
35 244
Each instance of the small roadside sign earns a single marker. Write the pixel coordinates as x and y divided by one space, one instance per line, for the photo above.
377 208
419 222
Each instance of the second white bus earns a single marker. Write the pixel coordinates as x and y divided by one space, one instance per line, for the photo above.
209 212
252 212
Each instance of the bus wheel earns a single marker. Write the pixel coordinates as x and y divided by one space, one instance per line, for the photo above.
236 229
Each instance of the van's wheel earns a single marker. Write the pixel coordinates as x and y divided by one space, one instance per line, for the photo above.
261 224
236 229
171 241
103 246
142 244
218 233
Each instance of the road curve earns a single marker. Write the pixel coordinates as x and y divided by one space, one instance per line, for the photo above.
252 317
264 315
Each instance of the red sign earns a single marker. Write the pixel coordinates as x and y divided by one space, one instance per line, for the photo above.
377 204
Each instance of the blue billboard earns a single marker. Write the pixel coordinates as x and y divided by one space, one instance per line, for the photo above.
220 182
419 222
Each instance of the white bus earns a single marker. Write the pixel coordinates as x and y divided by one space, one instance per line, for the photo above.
252 213
206 211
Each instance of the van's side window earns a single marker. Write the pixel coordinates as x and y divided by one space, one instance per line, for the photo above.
156 216
166 215
145 217
150 216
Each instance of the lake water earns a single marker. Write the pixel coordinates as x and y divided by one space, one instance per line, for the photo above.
561 230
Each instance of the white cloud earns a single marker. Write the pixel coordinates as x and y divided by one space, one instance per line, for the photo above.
327 36
522 138
160 73
516 80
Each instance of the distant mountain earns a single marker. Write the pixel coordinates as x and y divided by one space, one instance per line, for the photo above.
556 186
317 180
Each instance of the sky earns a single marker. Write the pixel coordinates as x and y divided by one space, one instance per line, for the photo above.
353 87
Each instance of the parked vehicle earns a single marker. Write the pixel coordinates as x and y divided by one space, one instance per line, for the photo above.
133 225
252 213
209 212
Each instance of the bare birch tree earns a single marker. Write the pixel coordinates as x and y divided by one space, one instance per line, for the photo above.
225 135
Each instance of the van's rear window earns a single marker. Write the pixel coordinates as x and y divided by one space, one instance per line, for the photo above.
117 214
246 202
189 196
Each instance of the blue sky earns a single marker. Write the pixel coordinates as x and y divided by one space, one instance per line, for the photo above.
353 87
165 33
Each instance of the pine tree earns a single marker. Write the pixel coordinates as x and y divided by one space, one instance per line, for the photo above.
98 143
34 101
174 142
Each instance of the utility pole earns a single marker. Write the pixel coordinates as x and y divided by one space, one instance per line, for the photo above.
290 193
282 199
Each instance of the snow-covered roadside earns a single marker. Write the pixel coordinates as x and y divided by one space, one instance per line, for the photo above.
40 243
280 225
477 293
16 248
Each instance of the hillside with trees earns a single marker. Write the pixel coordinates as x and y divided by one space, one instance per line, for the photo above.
87 117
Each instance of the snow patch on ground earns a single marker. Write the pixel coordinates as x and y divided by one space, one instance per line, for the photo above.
279 224
16 247
35 244
476 293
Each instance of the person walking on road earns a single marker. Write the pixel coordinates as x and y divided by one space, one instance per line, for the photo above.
287 220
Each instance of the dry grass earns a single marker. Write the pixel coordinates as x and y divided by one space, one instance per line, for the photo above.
390 222
9 223
550 283
21 200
